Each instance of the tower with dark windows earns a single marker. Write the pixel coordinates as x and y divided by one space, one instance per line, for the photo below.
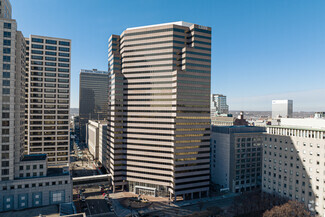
159 109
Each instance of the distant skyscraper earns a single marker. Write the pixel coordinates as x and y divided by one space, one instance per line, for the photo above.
48 97
282 108
158 130
93 97
218 105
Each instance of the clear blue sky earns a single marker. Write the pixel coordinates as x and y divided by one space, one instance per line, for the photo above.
261 49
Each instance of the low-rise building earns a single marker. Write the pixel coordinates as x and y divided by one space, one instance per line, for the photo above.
35 185
236 157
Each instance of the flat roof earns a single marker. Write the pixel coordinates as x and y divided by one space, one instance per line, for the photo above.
179 23
295 127
34 157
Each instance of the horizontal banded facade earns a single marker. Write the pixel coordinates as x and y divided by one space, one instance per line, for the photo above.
159 109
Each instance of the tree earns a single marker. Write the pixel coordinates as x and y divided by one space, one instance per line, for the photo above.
289 209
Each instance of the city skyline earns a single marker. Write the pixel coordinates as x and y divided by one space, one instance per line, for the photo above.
248 39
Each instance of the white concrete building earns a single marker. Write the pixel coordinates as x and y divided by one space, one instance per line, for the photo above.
97 139
282 109
218 105
293 161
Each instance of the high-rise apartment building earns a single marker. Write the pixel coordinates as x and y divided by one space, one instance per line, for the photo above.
25 180
282 109
236 153
48 97
218 105
293 161
93 97
159 109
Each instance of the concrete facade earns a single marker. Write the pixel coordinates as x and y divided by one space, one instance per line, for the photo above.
23 178
158 129
218 105
236 157
282 108
48 98
93 98
293 162
97 139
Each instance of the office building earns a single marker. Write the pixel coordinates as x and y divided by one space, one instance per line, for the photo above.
236 153
25 180
218 105
282 109
158 130
229 120
97 140
93 97
48 97
293 161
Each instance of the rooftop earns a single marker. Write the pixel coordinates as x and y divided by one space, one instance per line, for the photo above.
179 23
237 129
95 71
34 157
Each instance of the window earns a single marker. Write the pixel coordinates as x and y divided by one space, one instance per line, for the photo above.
7 25
7 34
6 58
64 43
6 66
37 40
50 53
57 197
48 41
50 47
37 46
5 91
64 54
6 50
6 42
64 49
6 82
6 74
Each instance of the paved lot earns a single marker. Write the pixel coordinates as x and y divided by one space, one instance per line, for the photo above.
95 204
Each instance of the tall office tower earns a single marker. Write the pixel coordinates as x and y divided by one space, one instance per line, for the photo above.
236 157
159 109
25 180
282 109
293 161
218 105
93 97
49 97
12 98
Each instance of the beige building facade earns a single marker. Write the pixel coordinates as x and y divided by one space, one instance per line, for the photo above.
159 109
48 98
293 162
25 180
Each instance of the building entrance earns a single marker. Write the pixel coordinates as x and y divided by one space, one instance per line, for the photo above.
145 191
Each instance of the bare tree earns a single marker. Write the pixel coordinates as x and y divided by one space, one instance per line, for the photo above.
289 209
